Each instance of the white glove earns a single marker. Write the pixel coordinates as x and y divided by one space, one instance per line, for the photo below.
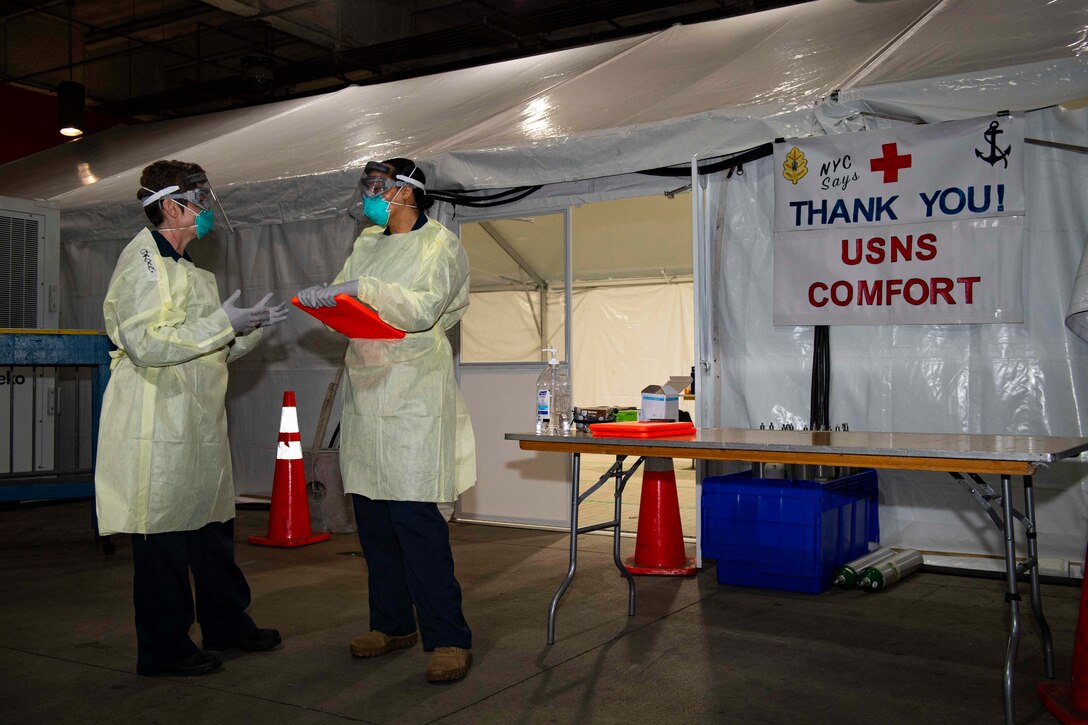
244 319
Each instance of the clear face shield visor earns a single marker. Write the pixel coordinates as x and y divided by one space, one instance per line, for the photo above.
200 194
200 197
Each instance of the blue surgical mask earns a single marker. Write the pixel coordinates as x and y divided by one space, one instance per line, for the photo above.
205 222
376 208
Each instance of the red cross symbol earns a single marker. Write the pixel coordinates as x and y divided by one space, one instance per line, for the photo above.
890 163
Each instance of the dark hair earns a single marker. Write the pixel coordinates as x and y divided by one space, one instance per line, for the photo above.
407 167
160 175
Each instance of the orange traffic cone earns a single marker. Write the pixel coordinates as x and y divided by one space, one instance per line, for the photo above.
1068 701
289 518
659 546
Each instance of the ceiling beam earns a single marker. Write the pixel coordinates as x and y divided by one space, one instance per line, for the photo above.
445 49
235 7
10 10
91 27
514 254
159 20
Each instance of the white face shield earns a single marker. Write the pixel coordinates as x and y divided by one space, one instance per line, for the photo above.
200 193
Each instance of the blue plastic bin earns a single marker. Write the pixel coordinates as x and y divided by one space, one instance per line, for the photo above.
783 534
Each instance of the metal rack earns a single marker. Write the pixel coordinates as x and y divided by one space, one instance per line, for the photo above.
81 349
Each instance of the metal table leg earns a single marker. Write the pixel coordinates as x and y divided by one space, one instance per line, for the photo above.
576 462
1005 521
1036 591
621 481
1012 596
576 498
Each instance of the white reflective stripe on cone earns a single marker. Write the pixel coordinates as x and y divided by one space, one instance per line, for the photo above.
288 451
289 420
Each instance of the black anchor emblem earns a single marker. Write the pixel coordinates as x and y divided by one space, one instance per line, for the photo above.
996 154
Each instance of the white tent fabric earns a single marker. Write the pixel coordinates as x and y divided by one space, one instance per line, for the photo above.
582 121
607 109
1021 379
628 337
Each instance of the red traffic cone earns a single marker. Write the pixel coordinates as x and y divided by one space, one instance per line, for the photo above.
659 546
289 518
1068 701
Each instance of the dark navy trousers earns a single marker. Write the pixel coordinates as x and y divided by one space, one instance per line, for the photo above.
409 563
164 600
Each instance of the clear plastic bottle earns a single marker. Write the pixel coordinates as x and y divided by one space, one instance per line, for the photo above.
553 405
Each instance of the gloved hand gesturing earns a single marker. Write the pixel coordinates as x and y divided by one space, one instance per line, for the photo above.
278 313
325 296
244 319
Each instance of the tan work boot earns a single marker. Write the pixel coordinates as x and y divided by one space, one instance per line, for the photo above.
448 664
376 644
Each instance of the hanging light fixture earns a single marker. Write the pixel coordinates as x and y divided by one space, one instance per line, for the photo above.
71 96
70 100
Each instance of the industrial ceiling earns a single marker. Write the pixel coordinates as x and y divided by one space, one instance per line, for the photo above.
157 59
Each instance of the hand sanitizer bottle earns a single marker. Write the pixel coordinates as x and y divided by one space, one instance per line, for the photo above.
553 404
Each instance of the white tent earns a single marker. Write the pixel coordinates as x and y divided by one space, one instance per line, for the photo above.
582 123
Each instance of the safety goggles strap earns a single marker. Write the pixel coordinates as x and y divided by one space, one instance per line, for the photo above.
375 167
410 180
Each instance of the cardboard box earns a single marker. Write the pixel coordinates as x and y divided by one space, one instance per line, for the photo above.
662 402
680 382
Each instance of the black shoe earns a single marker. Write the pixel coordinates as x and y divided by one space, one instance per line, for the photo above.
198 663
258 640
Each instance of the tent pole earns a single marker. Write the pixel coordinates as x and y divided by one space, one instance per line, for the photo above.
543 316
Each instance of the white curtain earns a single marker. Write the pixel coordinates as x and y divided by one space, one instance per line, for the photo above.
625 338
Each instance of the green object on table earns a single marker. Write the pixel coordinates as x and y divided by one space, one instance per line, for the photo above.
626 415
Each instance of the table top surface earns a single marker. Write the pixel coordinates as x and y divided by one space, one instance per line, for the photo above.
1033 449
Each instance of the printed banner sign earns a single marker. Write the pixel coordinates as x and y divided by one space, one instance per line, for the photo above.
920 225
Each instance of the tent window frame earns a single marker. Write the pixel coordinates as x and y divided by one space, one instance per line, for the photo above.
474 216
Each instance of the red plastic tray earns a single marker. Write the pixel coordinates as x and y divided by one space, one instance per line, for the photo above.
642 429
353 319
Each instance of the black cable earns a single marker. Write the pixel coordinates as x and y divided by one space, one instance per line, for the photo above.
734 161
820 391
509 196
479 197
459 199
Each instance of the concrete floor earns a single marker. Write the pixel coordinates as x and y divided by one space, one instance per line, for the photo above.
929 650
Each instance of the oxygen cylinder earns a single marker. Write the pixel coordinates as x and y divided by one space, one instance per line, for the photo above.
847 575
883 575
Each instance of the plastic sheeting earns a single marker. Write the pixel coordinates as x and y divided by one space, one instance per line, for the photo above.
608 109
1026 379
